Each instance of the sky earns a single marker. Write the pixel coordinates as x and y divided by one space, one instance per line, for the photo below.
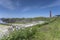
28 8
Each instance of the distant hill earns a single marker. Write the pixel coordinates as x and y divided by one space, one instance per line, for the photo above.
14 20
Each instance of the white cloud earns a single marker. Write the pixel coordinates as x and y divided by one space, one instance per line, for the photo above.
26 9
8 4
56 3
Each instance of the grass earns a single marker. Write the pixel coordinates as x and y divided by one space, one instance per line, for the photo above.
3 25
49 32
46 31
22 34
17 23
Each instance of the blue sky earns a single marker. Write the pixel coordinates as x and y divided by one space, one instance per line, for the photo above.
28 8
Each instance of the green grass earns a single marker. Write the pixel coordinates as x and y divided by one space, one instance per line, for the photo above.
17 23
3 25
49 32
46 31
22 34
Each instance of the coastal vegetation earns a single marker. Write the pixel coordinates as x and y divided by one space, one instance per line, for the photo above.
46 31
